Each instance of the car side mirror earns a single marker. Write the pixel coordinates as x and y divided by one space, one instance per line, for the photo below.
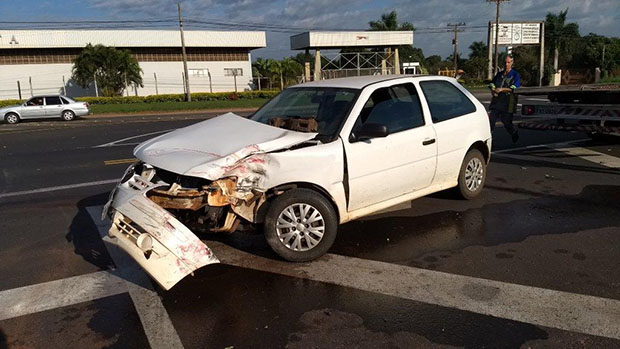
371 130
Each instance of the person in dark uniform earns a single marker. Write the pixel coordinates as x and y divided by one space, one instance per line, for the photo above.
504 101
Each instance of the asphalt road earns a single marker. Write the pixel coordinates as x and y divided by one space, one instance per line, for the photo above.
533 262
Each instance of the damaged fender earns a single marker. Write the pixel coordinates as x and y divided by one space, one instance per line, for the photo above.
165 248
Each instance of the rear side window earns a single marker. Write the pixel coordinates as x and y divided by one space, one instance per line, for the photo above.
397 107
65 100
52 100
445 100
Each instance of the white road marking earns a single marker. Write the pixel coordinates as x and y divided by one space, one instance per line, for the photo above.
115 143
157 325
62 187
589 155
534 146
556 309
544 307
59 293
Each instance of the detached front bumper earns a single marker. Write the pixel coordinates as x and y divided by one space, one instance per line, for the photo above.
165 248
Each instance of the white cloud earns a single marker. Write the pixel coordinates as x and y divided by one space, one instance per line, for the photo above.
599 16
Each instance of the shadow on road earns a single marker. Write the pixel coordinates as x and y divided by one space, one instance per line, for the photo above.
84 235
403 237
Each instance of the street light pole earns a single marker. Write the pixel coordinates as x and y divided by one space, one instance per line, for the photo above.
497 2
188 95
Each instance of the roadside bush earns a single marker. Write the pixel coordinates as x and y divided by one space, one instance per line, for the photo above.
9 102
200 96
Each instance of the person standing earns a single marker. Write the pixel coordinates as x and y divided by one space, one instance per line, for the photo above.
504 101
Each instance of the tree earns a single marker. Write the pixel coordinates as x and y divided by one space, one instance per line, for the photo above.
261 67
433 63
389 22
478 50
560 34
291 69
275 71
113 69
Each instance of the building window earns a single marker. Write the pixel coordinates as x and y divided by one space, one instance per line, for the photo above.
197 72
233 71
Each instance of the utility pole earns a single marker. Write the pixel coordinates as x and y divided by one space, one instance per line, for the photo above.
497 2
19 90
188 95
210 83
156 87
455 42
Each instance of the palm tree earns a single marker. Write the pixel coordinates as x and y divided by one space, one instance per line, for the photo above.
291 69
389 22
560 34
113 69
478 49
275 70
261 67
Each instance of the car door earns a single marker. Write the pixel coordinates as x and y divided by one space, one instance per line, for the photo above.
454 116
404 161
33 108
53 106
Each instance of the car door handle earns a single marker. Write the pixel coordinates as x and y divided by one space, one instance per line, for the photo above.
428 141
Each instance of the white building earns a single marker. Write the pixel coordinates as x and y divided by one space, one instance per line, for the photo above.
41 60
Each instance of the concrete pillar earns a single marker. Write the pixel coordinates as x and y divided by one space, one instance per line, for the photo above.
317 65
306 71
383 67
396 61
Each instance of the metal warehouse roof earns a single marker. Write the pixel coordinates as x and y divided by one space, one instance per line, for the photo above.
313 40
129 38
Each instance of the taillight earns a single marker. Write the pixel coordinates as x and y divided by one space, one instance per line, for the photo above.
527 110
86 104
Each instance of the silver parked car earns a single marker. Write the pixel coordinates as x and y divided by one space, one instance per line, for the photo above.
48 106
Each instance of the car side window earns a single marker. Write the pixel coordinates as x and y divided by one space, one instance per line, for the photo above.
445 100
397 107
35 101
52 100
64 100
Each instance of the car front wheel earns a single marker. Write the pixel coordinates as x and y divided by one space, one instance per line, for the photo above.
11 118
300 225
473 175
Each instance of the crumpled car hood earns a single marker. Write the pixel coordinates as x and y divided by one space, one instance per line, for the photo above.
215 144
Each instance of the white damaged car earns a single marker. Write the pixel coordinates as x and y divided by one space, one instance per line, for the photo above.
317 155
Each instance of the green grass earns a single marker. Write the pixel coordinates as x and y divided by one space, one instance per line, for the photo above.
176 106
610 79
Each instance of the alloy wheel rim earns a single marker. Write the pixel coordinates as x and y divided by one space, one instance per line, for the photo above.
11 119
300 227
68 116
474 174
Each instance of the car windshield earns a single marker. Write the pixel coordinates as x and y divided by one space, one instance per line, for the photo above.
320 110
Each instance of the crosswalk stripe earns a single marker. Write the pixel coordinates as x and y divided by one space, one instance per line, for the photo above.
157 325
59 293
589 155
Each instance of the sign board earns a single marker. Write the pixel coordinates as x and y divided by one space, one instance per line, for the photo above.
517 33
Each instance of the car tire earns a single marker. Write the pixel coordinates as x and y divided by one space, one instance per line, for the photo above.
11 118
289 234
67 115
473 175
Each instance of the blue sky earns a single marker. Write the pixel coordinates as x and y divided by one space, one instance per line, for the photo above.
597 16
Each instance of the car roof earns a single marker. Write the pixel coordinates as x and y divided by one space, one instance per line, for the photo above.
49 95
359 82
